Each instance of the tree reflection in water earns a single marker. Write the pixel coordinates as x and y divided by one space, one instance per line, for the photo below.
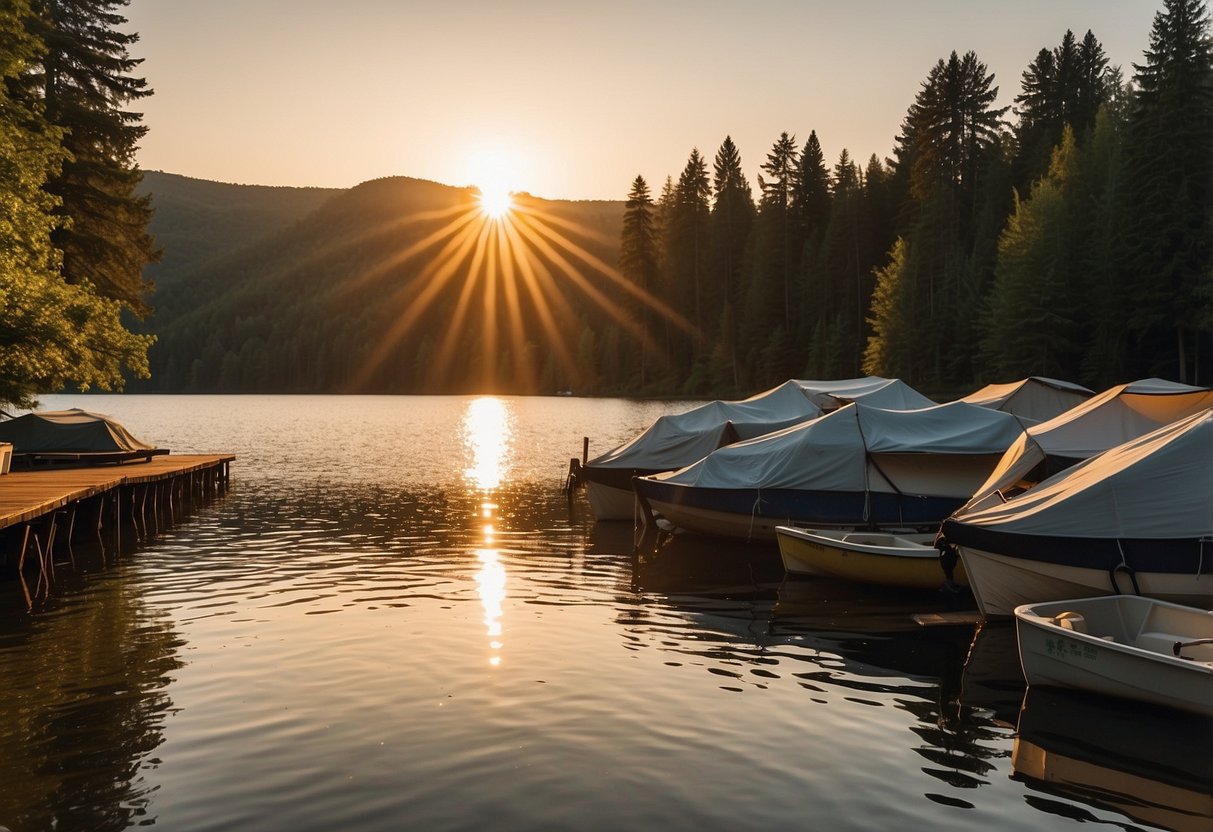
85 703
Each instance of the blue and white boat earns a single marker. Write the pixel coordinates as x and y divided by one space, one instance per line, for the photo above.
1136 518
858 467
677 440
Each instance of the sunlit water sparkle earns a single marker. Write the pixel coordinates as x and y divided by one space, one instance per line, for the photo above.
394 620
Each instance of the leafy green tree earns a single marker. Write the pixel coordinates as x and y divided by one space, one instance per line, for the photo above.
52 334
84 82
1170 190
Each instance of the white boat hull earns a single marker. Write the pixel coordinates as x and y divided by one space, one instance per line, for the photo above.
610 503
1120 646
1001 583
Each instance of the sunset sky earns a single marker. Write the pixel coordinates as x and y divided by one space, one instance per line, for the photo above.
566 100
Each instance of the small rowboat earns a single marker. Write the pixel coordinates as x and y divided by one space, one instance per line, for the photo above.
1120 645
902 560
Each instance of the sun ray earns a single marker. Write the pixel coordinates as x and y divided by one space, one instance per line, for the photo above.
513 289
443 268
595 294
609 272
538 286
488 300
521 370
455 327
420 246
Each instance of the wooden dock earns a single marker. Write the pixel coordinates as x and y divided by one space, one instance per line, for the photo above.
42 511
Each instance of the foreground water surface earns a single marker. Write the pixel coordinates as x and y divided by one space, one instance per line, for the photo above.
395 620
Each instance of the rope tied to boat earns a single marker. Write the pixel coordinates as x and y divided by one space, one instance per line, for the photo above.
1123 566
753 513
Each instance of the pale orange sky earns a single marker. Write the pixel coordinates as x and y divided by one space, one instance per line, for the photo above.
567 100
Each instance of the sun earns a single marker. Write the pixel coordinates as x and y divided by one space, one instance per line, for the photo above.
494 170
495 200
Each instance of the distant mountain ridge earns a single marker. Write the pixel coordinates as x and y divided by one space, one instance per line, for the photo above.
268 289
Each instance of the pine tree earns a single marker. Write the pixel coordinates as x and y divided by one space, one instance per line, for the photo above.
732 221
949 155
1033 317
85 83
1062 87
950 126
781 225
1170 190
638 262
686 258
811 190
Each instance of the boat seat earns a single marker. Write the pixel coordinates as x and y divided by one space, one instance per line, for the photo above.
1196 649
1071 621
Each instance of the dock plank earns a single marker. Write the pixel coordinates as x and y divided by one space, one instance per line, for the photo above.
25 495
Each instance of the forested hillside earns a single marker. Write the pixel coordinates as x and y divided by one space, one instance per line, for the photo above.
195 220
397 285
1068 235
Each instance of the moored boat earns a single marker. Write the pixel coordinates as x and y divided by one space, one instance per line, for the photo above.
902 560
859 466
680 439
1125 646
1036 397
1136 518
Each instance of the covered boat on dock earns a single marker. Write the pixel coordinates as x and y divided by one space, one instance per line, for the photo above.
858 467
677 440
1137 518
72 437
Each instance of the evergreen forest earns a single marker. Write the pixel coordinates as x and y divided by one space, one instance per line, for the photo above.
1069 234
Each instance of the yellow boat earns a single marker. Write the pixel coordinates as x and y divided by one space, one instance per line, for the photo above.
902 560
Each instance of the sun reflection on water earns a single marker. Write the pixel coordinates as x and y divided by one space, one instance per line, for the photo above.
487 435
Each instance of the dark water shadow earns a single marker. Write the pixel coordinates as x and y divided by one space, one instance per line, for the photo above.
1151 765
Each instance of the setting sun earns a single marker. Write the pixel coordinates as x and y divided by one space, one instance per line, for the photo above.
494 170
495 201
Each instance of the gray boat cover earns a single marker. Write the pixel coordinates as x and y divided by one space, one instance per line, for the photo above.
1115 416
842 451
874 391
1035 397
1158 486
68 431
679 439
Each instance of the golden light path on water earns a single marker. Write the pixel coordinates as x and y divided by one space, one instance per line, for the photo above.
487 435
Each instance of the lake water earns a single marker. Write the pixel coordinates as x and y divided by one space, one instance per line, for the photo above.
394 620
